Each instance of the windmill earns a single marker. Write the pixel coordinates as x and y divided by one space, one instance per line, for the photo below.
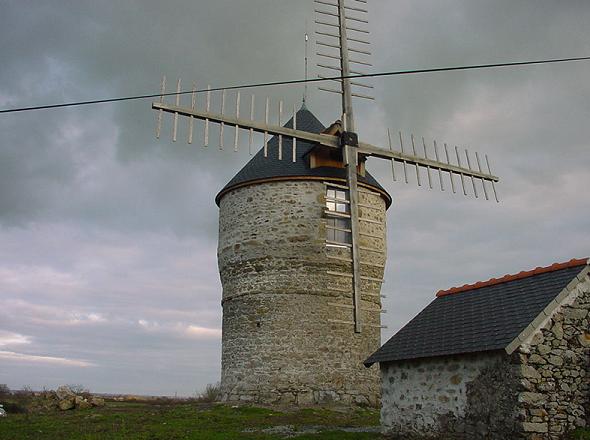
340 27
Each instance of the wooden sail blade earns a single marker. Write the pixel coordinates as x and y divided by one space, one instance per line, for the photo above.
373 151
245 124
337 14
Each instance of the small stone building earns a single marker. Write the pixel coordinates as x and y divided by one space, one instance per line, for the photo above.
284 259
502 359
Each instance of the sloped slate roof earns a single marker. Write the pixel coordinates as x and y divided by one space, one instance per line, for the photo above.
262 168
479 319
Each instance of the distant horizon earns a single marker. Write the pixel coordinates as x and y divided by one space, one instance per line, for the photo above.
103 394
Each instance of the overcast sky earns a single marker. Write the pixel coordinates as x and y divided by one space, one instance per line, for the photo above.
108 270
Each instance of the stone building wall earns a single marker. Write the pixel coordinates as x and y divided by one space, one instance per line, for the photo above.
286 332
539 392
556 369
460 397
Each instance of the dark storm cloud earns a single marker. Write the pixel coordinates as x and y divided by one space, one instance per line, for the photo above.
108 274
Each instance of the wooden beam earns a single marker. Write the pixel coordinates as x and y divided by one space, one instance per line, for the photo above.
260 127
371 150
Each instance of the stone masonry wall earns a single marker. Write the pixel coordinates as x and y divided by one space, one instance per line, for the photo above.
286 332
454 397
540 392
556 368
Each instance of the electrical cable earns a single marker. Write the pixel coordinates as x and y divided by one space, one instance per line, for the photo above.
292 82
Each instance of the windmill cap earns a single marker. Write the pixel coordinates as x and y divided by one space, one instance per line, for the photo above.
263 169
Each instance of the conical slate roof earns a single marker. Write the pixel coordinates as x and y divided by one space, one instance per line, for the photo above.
261 169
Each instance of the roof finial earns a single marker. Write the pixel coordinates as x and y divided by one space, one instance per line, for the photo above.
303 105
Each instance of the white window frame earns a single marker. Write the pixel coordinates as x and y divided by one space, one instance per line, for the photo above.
338 229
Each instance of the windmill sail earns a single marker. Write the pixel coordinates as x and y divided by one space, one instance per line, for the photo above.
340 38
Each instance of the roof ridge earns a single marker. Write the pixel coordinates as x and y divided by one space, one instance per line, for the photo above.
506 278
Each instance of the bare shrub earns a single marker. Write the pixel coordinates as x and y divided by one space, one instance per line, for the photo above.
78 388
211 394
25 392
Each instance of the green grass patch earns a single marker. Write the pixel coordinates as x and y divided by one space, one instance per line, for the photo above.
580 434
145 421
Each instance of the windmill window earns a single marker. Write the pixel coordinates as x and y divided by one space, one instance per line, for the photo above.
337 201
338 230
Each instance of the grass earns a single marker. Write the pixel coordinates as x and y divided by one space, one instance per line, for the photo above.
581 434
148 421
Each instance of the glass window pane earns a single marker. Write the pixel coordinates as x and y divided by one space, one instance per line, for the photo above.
342 223
333 235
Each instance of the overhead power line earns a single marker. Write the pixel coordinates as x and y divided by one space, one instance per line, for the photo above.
300 81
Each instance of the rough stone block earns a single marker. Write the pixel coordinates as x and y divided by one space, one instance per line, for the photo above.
529 372
538 412
97 401
535 427
556 360
67 403
456 379
64 392
536 359
83 404
584 339
533 399
527 385
543 349
557 330
537 339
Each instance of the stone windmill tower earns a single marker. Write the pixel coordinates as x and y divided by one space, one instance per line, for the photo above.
302 244
287 329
